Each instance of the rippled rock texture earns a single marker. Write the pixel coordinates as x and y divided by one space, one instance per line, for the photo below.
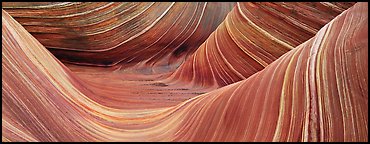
251 37
106 34
184 71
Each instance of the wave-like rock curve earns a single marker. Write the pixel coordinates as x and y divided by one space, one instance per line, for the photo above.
315 92
252 36
159 34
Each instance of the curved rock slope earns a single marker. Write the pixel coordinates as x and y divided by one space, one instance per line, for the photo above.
252 36
154 34
318 91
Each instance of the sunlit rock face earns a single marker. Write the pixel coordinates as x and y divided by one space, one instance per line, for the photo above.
247 72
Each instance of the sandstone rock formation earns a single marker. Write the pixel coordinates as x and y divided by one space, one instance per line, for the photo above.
287 72
252 36
108 33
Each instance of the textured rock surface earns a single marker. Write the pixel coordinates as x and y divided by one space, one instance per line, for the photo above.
105 34
252 36
318 91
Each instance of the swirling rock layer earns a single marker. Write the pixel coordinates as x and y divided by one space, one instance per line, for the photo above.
318 91
252 36
105 34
